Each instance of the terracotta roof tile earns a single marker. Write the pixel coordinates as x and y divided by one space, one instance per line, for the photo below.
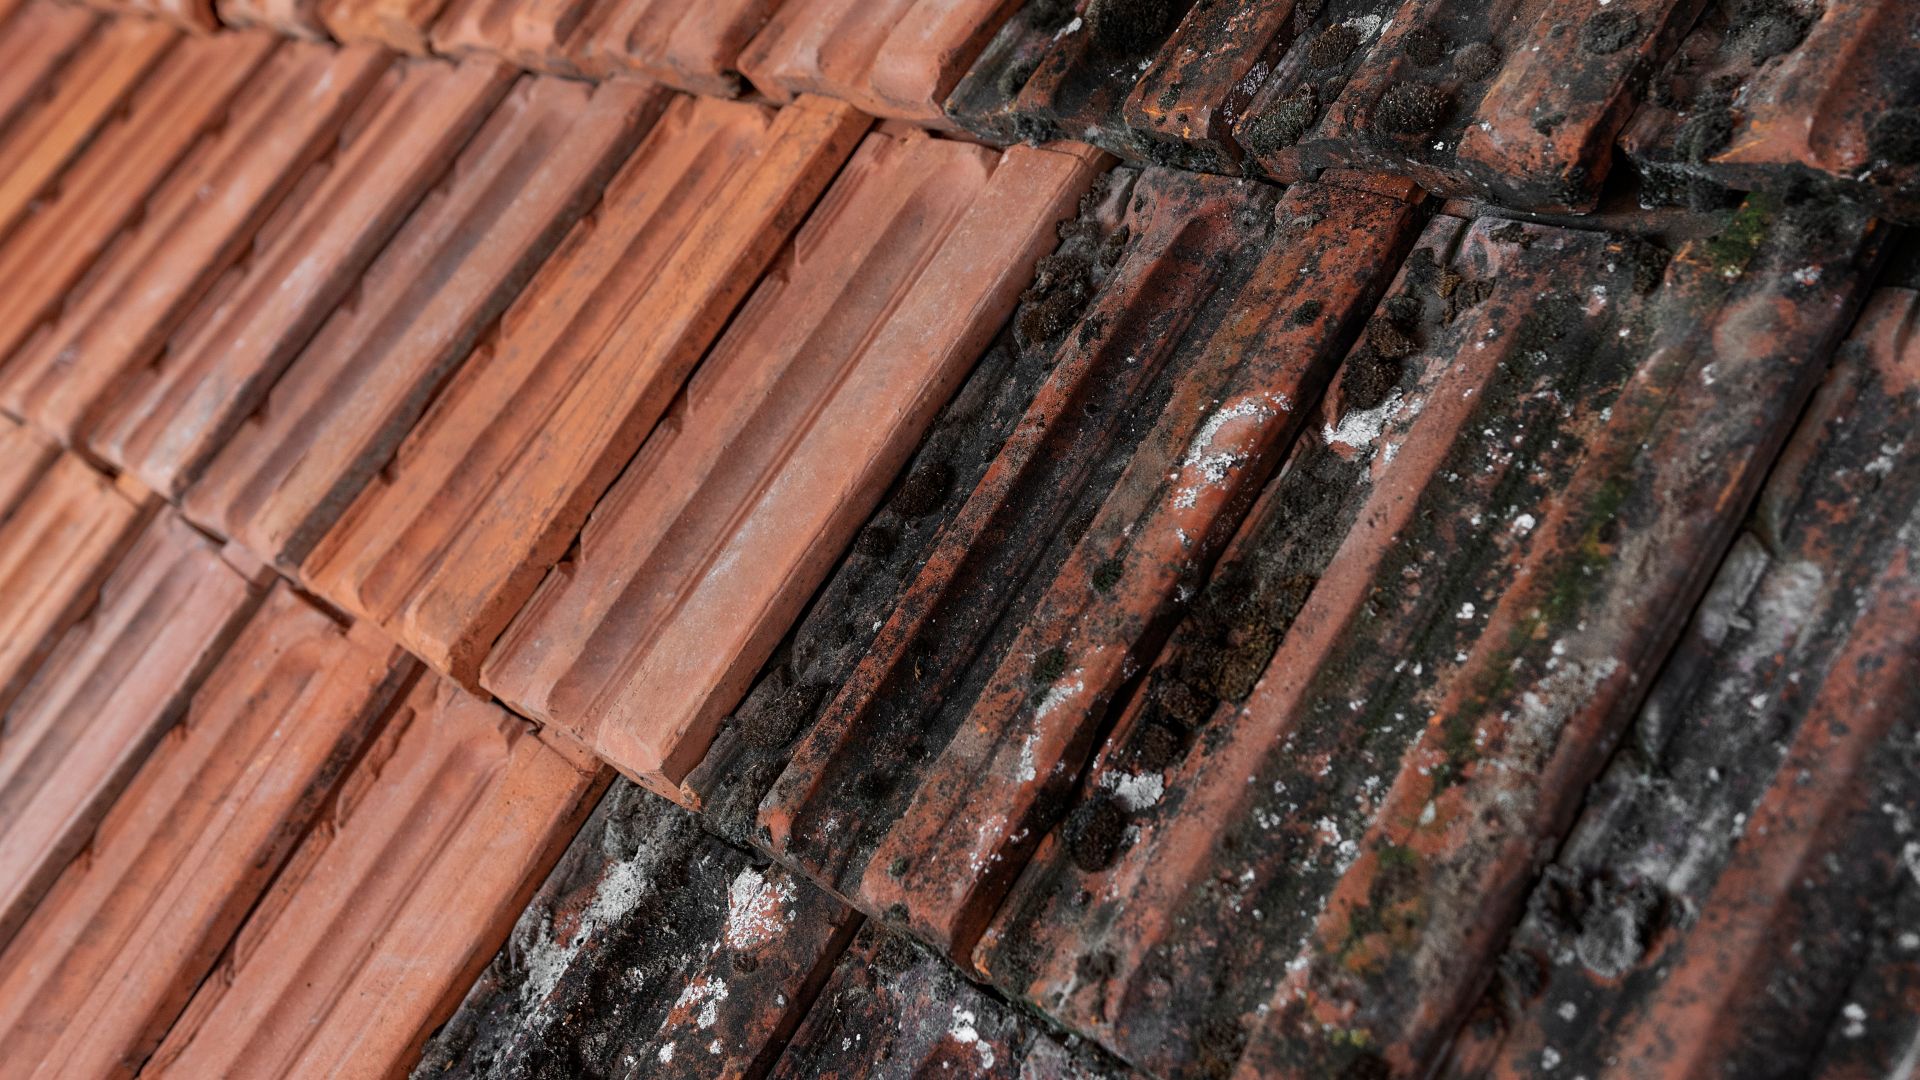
37 37
194 227
894 58
280 479
689 46
112 953
401 25
24 455
695 564
175 114
496 481
113 686
294 18
394 901
1790 97
196 15
652 949
60 541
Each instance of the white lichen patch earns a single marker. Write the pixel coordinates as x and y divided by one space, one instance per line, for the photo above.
756 909
1134 791
965 1032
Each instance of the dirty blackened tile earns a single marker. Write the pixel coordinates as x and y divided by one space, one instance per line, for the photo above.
60 541
493 485
25 454
117 681
163 419
1184 107
82 96
653 949
111 955
194 227
1736 767
1080 85
394 901
1789 97
693 47
828 643
1236 394
893 58
982 102
288 470
176 113
696 564
892 1011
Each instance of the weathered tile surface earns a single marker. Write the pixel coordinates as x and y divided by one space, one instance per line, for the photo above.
394 901
111 955
493 485
193 228
116 682
697 562
195 15
690 46
395 24
163 420
1739 867
24 455
652 950
280 479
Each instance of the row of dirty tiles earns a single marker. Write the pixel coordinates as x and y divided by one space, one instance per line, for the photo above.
1080 614
1521 102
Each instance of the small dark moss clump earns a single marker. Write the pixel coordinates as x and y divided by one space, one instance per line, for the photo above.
1609 32
1367 379
1155 747
1107 574
1707 129
1129 26
1049 14
876 542
774 726
1895 137
1307 312
1048 667
1284 124
1389 340
925 488
1013 78
1424 47
1648 261
1764 29
1095 831
1476 60
1332 47
1513 233
1410 109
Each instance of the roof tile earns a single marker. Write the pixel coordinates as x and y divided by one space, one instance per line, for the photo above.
163 420
394 901
116 682
698 561
37 38
401 25
195 226
112 953
288 470
195 15
692 47
25 455
496 481
293 18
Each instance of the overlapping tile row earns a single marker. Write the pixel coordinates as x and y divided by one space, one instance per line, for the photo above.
493 484
195 15
191 229
1787 97
653 949
284 471
162 419
394 901
693 47
701 557
113 686
36 38
25 454
111 954
1738 894
1516 101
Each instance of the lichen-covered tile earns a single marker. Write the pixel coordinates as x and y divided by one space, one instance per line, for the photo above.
82 97
696 563
983 100
1184 107
394 901
893 58
892 1011
24 455
281 477
162 420
826 646
1231 410
692 47
1789 97
192 229
1547 637
176 113
1724 779
55 548
108 959
654 949
492 486
1078 87
110 689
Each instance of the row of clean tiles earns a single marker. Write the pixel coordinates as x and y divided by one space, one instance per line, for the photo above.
1044 547
1518 101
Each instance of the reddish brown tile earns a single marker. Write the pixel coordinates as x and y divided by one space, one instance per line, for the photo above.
194 227
395 24
983 101
60 541
294 18
116 682
894 58
175 113
699 560
393 903
281 478
111 955
195 15
36 38
87 91
694 48
162 420
1790 98
494 484
1185 105
653 949
25 455
1752 819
